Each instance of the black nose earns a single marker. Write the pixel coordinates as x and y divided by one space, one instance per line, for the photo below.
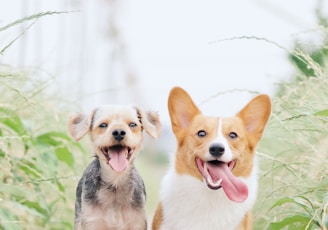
216 150
118 134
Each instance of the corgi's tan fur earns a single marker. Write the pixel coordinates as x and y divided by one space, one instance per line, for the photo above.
212 181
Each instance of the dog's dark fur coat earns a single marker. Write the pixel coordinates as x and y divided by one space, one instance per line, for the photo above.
91 182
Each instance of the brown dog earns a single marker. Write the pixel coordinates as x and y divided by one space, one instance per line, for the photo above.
111 194
212 181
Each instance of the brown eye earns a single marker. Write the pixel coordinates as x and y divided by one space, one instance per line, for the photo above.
201 133
233 135
102 125
132 125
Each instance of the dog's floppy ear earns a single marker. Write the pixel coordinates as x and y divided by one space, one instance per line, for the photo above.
150 121
79 125
182 109
255 116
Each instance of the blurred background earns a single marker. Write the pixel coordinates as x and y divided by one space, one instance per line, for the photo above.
62 56
136 51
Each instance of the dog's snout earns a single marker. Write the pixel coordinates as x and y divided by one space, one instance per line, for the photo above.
217 150
118 134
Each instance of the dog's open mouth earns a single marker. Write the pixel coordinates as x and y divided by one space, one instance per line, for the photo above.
218 174
117 156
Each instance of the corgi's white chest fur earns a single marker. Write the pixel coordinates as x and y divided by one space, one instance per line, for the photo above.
189 204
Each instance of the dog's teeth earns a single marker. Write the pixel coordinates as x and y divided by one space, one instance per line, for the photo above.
209 178
218 183
205 170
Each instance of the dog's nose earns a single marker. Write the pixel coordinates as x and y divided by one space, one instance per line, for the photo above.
118 134
217 150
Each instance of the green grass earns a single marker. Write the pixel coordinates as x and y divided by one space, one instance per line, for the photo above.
294 158
37 158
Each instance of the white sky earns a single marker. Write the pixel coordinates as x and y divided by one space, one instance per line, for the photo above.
167 43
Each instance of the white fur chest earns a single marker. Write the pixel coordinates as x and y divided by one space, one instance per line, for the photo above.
188 204
115 212
118 219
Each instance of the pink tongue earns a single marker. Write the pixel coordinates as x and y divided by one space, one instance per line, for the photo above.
118 160
235 189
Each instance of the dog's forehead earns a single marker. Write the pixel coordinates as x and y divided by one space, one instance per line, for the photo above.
218 125
112 111
231 124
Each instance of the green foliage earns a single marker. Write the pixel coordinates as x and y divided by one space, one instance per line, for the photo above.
37 160
322 113
309 59
35 152
293 181
318 56
304 218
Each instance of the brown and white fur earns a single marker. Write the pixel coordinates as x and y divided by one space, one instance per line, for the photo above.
212 181
111 194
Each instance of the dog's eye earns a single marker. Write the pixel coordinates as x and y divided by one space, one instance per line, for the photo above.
233 135
132 125
103 125
201 133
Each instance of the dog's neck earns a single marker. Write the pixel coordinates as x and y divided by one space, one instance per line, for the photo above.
119 189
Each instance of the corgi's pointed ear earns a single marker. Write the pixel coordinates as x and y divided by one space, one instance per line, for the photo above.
79 125
182 109
255 115
150 121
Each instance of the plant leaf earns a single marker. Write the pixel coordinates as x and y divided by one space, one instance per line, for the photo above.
64 155
301 220
35 206
300 201
60 186
12 121
31 17
322 113
53 138
30 169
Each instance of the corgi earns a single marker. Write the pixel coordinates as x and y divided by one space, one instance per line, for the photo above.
212 180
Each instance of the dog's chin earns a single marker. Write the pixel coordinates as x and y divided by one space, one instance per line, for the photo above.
118 157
